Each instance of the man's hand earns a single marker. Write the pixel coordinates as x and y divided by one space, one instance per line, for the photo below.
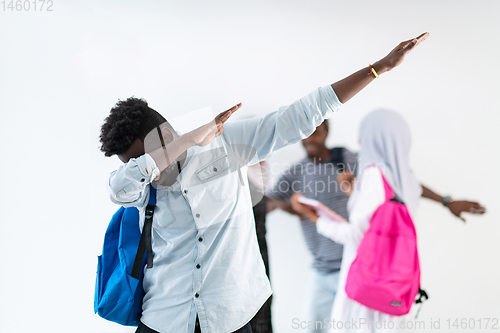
398 54
458 207
205 134
346 181
348 87
303 210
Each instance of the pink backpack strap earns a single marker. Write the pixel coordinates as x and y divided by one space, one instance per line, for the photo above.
389 193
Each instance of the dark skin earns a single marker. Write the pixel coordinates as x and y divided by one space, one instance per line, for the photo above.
455 207
168 175
315 144
176 145
317 151
348 87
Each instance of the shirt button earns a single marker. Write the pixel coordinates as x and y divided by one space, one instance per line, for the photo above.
185 191
198 266
200 239
196 295
142 180
215 169
198 215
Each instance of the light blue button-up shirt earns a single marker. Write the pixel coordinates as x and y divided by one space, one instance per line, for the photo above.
206 256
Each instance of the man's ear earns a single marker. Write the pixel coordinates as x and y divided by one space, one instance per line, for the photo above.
167 135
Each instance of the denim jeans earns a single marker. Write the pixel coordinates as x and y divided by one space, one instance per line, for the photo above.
319 298
144 329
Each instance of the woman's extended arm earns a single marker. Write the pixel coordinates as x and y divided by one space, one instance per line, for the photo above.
455 207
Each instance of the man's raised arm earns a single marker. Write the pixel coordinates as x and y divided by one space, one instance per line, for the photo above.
292 123
346 88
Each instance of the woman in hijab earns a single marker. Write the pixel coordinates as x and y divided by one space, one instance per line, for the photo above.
385 146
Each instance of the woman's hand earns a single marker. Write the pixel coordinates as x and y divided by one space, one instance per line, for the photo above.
458 207
398 54
205 134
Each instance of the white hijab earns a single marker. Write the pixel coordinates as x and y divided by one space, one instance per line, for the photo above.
385 141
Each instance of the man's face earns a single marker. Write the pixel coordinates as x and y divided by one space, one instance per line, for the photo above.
315 144
151 142
136 150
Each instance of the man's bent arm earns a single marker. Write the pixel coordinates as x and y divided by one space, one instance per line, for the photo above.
127 185
272 204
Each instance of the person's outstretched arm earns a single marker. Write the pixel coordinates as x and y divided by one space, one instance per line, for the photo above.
346 88
455 207
297 121
200 136
273 204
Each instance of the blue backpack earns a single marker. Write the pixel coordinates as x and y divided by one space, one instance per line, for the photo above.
120 268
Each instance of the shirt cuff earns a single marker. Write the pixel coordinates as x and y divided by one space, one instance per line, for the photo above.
147 167
323 225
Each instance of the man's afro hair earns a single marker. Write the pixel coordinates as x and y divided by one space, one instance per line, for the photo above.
128 120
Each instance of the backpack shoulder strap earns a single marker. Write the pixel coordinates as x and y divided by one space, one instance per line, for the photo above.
389 193
152 195
337 155
337 158
145 242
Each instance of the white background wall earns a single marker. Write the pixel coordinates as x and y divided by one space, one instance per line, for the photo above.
62 71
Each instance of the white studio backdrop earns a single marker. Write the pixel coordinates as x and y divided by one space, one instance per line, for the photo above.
62 71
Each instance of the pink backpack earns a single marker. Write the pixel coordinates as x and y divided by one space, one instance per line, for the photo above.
385 276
